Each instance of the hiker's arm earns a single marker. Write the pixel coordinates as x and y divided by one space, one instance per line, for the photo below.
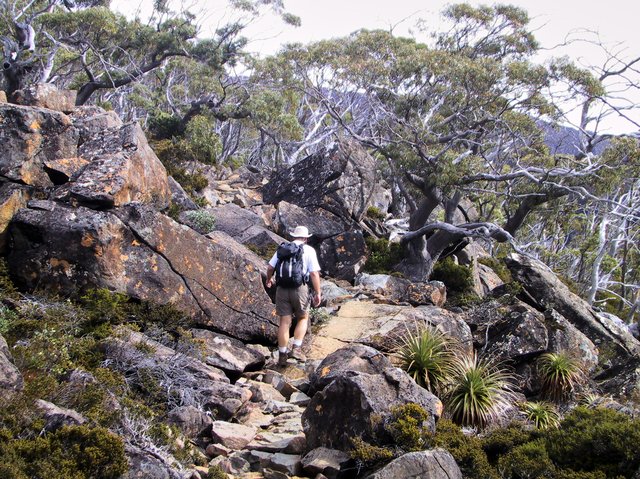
315 282
270 278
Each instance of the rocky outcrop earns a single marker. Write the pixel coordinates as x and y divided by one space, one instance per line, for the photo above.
329 419
431 464
546 291
618 351
147 255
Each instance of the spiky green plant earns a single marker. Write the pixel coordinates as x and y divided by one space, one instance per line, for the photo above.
560 374
428 355
542 414
480 391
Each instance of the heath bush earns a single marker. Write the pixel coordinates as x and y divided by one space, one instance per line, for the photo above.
596 440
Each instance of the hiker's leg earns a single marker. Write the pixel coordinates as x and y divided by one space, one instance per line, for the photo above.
283 331
301 328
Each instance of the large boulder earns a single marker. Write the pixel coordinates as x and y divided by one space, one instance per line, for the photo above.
147 255
618 369
245 226
31 136
343 180
123 169
355 404
546 291
431 464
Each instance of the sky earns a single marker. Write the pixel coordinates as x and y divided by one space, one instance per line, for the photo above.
616 22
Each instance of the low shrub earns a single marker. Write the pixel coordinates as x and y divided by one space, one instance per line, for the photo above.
596 440
382 255
368 455
202 221
527 461
70 452
456 277
498 267
500 441
466 450
407 426
375 213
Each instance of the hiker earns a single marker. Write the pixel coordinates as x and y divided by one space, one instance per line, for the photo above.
291 268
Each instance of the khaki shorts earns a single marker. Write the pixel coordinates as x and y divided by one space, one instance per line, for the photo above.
290 301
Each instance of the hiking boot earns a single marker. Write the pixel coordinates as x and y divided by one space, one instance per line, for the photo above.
282 358
296 353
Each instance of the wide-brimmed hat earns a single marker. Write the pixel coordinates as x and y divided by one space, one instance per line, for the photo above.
300 232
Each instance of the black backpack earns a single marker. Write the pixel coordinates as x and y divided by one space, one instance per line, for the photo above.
289 268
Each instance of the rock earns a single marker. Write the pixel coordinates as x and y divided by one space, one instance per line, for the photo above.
214 450
321 224
148 256
224 400
431 464
233 464
144 465
299 398
12 198
226 353
513 332
278 442
179 197
350 359
263 392
3 96
485 280
343 180
29 137
91 121
355 403
191 421
548 292
325 461
288 463
10 377
55 417
123 169
382 326
344 255
564 336
224 277
233 436
402 290
46 95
